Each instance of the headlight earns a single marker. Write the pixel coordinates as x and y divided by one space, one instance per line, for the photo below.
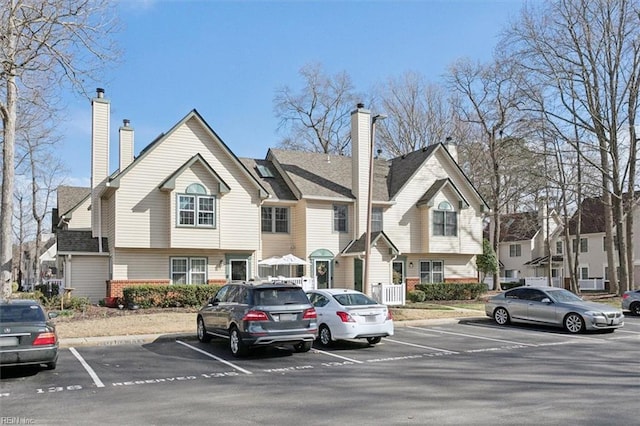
595 314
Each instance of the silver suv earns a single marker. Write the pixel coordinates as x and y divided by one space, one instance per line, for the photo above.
631 301
252 315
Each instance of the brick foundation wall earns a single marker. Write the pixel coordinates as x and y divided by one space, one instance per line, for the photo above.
216 281
114 287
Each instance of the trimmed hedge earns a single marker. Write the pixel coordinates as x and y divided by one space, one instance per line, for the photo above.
416 296
452 291
168 296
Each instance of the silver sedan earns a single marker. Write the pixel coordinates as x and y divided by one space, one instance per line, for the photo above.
552 306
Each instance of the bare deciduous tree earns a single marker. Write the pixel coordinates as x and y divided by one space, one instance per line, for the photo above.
318 117
587 55
62 41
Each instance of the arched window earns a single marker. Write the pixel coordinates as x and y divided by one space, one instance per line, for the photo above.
196 208
445 220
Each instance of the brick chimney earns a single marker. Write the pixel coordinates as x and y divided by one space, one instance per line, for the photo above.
126 144
100 116
360 157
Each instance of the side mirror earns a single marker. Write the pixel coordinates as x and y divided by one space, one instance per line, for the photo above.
52 315
546 300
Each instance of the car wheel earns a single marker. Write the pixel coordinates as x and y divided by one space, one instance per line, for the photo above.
202 331
501 316
238 349
374 340
573 323
324 335
635 308
303 346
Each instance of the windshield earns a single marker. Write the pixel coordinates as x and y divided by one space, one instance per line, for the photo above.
564 296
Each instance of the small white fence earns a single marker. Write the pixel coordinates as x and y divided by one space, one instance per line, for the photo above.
307 283
389 294
590 284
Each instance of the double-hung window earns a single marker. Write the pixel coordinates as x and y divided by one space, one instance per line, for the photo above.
196 208
515 250
340 222
376 219
275 219
445 220
584 245
189 270
431 271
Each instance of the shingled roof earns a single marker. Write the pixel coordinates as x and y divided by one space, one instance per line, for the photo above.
592 217
79 241
518 226
70 196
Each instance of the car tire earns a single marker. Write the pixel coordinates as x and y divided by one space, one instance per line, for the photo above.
202 331
303 346
238 348
573 323
501 316
635 308
374 340
324 336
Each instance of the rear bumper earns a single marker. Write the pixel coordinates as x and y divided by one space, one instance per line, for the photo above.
269 340
28 356
359 331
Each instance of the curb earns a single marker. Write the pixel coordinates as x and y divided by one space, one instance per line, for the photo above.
141 339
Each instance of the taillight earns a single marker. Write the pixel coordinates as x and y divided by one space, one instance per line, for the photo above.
45 339
345 317
389 316
255 316
625 296
309 314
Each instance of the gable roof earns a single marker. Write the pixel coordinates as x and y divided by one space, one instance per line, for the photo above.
276 185
518 226
69 197
592 217
170 183
438 185
114 181
358 246
404 167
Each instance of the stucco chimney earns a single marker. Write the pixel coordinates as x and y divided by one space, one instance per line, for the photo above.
360 157
100 116
126 144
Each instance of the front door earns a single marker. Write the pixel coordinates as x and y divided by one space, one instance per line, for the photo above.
357 274
321 268
398 272
239 270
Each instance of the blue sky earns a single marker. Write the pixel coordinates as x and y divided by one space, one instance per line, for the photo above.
228 58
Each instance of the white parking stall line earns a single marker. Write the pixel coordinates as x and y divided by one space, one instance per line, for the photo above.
87 367
421 346
355 361
511 342
230 364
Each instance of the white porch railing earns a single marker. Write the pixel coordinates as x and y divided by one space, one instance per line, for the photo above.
591 284
52 281
389 294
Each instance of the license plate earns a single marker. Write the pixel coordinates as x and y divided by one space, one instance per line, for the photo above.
287 317
8 341
370 318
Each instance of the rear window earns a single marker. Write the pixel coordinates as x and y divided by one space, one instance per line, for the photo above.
354 299
21 313
280 296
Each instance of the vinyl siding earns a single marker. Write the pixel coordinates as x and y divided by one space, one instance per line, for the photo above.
319 228
132 264
146 215
89 275
81 216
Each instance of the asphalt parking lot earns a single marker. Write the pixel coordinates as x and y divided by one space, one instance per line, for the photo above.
466 372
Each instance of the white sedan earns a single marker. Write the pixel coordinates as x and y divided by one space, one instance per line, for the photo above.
349 314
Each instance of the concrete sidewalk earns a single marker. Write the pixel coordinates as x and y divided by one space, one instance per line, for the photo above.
141 339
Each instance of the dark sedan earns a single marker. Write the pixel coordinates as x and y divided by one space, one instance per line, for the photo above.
27 337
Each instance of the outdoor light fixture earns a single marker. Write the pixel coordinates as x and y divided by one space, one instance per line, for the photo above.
410 264
367 242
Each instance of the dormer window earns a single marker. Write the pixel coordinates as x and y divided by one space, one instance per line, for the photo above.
196 208
445 220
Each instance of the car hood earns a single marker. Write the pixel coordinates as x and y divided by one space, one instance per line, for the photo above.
594 306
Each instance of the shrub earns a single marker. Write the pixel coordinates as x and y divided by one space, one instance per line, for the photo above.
417 296
73 302
452 291
169 296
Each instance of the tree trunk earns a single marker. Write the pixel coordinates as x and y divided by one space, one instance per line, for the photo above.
8 174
